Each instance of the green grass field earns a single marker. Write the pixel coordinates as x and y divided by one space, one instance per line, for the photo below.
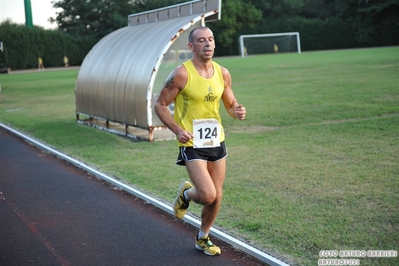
315 166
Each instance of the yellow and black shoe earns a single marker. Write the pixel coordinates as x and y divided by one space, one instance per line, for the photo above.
207 246
180 204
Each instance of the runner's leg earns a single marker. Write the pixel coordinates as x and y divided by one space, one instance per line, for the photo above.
208 179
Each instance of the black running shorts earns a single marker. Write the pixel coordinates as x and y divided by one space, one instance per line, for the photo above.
203 154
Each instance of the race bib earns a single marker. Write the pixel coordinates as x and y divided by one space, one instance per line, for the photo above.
206 133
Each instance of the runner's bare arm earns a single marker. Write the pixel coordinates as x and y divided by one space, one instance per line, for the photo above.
171 88
234 109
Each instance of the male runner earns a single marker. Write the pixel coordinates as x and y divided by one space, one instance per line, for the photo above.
196 87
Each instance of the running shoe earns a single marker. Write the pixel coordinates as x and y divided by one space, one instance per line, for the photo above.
180 204
207 246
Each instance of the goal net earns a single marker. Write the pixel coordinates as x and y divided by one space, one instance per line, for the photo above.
269 43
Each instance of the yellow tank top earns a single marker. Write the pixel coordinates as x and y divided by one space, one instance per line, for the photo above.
199 99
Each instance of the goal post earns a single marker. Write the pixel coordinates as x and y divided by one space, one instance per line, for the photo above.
269 43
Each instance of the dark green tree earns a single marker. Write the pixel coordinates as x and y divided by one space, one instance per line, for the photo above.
277 9
23 46
236 15
316 9
349 23
323 24
370 18
92 18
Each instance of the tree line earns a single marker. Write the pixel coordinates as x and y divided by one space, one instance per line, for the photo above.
322 24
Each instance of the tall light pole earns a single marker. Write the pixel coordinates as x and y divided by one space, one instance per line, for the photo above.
28 14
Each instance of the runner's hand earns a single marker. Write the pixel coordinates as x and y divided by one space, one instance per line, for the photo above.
240 112
184 136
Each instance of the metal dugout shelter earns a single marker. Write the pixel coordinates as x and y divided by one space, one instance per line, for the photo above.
116 79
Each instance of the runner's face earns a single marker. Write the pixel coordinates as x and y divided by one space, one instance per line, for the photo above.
203 44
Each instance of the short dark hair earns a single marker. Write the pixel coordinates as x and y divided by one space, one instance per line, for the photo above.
191 35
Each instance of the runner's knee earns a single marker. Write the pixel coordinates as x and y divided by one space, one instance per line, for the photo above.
207 197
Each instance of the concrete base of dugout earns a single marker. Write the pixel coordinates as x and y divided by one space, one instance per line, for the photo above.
156 134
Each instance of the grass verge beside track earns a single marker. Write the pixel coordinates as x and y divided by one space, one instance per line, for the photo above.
315 166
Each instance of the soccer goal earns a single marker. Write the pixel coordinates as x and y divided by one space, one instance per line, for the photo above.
269 43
